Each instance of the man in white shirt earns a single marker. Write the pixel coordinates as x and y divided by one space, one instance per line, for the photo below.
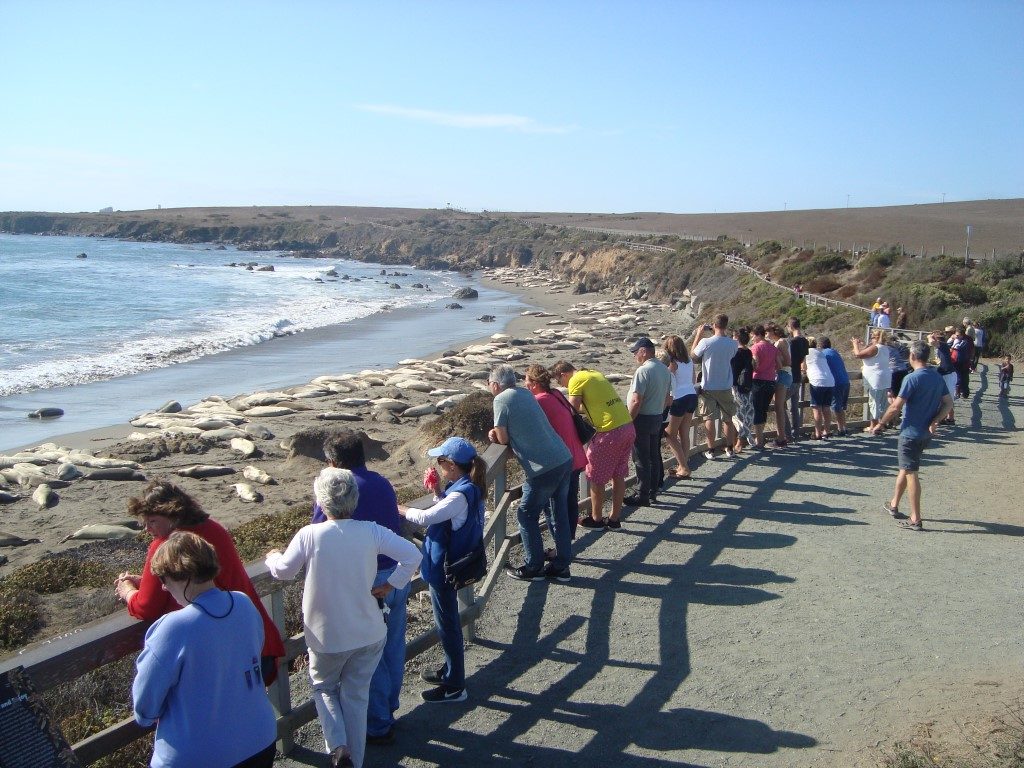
715 355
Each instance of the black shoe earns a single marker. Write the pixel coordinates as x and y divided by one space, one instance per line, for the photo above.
555 574
388 737
614 524
522 573
654 499
434 677
443 695
589 522
636 500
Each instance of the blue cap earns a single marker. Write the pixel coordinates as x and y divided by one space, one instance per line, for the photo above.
457 449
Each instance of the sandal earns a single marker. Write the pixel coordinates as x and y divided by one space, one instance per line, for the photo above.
893 511
589 522
682 475
909 526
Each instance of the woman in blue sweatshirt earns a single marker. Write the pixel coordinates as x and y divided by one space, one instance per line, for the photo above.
198 676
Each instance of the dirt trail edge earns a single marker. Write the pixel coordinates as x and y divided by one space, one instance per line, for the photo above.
766 613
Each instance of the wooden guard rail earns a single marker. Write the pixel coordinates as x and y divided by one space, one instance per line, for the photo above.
67 657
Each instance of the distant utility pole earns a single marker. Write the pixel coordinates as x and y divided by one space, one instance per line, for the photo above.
943 197
847 202
784 206
967 249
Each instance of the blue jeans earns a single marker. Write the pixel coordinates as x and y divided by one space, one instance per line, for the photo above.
553 484
386 683
445 602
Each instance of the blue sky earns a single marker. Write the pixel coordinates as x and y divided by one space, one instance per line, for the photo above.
554 106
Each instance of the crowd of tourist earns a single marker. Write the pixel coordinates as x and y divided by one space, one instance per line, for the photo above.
222 648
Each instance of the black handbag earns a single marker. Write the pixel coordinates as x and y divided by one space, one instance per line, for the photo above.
468 569
585 431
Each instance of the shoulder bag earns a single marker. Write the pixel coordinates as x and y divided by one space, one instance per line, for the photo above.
585 431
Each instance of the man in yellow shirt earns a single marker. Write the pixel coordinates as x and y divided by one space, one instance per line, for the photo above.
608 452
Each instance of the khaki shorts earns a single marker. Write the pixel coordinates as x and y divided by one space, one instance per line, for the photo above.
715 404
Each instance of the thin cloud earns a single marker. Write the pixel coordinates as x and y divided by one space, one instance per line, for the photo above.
517 123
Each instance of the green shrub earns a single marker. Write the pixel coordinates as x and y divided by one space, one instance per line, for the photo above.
19 617
875 259
968 293
58 573
254 537
829 263
1000 269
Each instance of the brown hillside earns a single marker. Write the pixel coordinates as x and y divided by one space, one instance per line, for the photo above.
921 229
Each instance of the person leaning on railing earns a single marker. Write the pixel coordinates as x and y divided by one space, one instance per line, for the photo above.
165 508
198 676
455 526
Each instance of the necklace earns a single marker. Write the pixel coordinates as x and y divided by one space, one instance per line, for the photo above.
231 607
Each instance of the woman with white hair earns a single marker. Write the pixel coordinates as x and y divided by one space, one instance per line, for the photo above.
341 617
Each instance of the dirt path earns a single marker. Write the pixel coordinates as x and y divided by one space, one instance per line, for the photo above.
767 614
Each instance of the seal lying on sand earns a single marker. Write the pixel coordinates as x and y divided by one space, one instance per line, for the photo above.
206 470
45 497
102 531
13 540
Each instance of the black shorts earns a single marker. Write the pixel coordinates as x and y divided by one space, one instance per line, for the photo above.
683 405
761 396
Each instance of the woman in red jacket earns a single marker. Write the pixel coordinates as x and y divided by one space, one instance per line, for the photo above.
166 508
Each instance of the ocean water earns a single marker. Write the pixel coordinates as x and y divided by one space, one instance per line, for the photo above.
134 324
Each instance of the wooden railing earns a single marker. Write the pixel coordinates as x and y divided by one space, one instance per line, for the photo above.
60 660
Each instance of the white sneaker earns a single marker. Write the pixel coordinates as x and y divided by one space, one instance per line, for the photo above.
729 452
709 455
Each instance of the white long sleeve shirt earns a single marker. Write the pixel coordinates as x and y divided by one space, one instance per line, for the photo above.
340 556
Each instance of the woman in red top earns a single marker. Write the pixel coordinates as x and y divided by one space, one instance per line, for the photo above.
166 508
766 367
559 412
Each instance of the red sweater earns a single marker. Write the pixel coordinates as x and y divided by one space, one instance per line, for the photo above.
152 601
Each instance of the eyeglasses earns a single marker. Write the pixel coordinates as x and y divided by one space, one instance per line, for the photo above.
161 577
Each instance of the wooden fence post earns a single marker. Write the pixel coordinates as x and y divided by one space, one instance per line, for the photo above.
280 692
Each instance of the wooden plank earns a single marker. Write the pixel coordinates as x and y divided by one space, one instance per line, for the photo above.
57 660
111 739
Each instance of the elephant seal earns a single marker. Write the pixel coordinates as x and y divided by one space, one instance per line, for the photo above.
206 470
68 471
115 473
46 413
45 497
257 475
8 498
258 430
338 416
13 540
247 493
102 531
245 447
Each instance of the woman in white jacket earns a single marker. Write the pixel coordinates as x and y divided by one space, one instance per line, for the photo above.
341 616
